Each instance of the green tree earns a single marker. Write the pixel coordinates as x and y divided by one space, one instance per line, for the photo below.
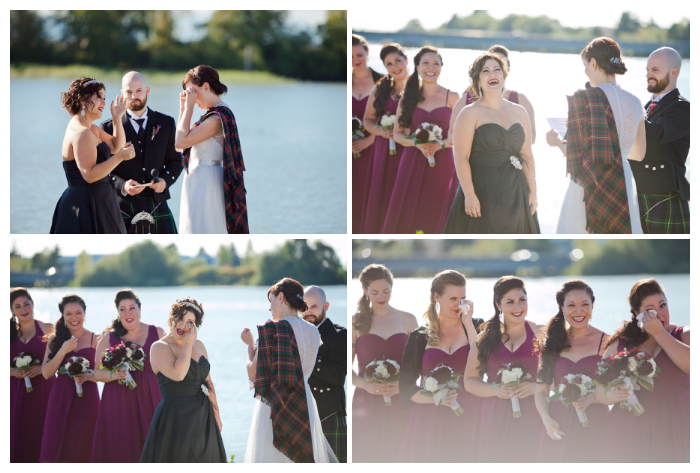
680 31
413 26
227 256
317 264
28 41
46 259
628 23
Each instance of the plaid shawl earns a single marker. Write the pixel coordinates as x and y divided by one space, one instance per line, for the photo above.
234 187
594 161
279 381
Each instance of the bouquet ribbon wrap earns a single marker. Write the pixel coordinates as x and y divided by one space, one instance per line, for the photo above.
28 385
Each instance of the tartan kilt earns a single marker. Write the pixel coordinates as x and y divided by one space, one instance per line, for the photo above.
664 213
336 432
165 222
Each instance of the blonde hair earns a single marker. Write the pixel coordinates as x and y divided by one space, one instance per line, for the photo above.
438 286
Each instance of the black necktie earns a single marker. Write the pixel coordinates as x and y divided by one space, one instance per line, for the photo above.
142 130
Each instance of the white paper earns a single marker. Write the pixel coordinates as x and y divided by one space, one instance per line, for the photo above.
558 124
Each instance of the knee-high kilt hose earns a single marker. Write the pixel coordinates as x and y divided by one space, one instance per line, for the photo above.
664 213
336 432
165 222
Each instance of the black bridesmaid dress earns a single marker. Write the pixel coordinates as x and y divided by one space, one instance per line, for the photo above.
85 207
499 184
184 429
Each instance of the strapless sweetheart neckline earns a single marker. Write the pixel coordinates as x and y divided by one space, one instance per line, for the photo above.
443 351
380 337
501 126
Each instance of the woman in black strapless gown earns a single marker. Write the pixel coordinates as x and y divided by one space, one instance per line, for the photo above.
89 204
496 169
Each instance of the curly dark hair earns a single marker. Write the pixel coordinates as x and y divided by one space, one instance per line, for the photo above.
293 293
630 332
412 95
205 74
117 327
385 85
475 70
80 89
358 40
178 309
16 292
371 273
61 332
603 50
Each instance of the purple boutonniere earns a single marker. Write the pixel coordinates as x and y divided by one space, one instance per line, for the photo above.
155 132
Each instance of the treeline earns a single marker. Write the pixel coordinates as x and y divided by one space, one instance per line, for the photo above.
132 39
629 27
147 264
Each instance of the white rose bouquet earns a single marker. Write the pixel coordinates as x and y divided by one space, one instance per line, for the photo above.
383 371
571 388
23 361
438 382
427 133
76 365
511 375
387 123
358 132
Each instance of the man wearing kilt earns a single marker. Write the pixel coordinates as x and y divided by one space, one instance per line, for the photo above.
153 136
662 188
328 379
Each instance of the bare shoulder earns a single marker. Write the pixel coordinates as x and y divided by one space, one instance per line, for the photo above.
538 329
409 320
161 332
685 335
453 98
199 345
47 328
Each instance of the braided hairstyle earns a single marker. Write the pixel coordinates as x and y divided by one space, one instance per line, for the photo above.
117 327
412 93
371 273
61 332
607 55
630 331
438 286
385 85
293 293
15 293
556 338
80 89
491 331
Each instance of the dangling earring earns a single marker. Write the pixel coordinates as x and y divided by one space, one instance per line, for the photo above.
500 316
437 307
82 111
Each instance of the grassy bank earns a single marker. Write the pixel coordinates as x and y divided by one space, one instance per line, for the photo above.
152 75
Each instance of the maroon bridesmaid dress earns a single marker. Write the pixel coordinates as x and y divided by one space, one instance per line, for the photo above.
435 433
361 168
125 414
382 177
377 430
503 438
579 444
70 420
662 432
420 191
28 410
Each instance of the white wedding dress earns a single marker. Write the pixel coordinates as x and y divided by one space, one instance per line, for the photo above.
628 111
260 448
202 206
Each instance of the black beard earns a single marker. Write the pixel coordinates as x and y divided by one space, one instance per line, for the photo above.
318 320
138 108
661 84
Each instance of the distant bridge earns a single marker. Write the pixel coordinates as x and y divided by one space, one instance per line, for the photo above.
482 40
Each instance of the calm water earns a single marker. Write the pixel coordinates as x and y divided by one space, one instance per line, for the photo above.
610 308
293 138
545 79
227 311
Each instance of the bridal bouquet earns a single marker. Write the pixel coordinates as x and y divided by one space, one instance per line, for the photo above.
125 356
573 387
387 123
358 132
23 361
438 382
633 369
383 371
427 133
76 365
512 374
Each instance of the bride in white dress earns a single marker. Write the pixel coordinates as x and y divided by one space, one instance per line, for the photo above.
601 60
260 448
202 204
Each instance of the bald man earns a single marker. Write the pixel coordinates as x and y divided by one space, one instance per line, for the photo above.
328 379
153 136
662 188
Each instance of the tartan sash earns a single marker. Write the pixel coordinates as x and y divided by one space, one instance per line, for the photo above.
279 382
234 187
594 161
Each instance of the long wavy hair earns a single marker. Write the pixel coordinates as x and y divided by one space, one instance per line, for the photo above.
412 93
630 332
475 69
371 273
385 86
61 332
15 330
556 338
438 286
491 331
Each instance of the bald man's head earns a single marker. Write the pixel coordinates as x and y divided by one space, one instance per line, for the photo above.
663 67
669 56
315 299
134 91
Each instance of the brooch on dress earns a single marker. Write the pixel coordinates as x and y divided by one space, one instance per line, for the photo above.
516 163
205 390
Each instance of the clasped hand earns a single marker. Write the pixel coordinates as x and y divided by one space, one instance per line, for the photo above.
383 389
